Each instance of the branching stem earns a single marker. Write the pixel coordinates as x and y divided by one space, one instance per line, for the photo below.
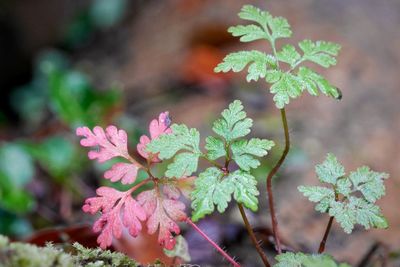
215 245
269 181
325 238
134 188
253 237
212 162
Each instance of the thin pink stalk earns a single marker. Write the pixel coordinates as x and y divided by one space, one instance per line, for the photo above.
220 250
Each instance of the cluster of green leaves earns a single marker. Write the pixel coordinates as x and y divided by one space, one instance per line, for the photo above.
350 198
290 259
215 185
285 84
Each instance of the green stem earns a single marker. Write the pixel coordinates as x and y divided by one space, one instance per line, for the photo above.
269 181
252 236
214 163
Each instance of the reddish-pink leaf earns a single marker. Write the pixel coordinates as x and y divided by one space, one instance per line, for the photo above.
163 215
141 148
126 172
117 209
171 191
160 126
156 128
111 143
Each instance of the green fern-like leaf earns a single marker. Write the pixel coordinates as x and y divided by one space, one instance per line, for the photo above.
274 27
285 84
342 201
289 55
320 52
322 195
248 33
245 189
215 148
369 183
290 259
244 151
210 190
168 145
258 62
184 164
234 123
313 82
358 211
330 170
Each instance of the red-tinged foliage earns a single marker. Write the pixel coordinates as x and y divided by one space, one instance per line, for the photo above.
162 213
156 128
124 172
171 191
185 185
111 143
118 209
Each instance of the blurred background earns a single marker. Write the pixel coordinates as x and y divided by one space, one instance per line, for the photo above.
65 64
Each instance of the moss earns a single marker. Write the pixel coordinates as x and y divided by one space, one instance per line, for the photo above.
27 255
98 257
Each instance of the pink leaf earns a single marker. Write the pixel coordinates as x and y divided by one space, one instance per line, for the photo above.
171 191
161 126
111 143
117 209
126 172
163 215
156 128
141 148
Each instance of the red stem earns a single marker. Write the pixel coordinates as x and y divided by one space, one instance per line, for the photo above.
138 185
220 250
252 236
269 182
325 238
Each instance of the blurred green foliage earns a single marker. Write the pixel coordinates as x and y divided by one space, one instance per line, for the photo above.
16 170
99 15
57 100
66 93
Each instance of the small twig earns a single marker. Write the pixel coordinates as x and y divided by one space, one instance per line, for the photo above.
253 237
215 245
269 181
326 234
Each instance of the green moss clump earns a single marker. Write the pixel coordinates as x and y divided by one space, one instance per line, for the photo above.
26 255
101 258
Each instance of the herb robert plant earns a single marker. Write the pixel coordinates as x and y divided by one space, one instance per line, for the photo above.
350 199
